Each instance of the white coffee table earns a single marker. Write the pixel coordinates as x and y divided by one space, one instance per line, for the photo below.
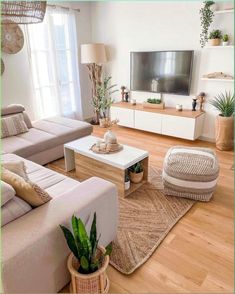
110 167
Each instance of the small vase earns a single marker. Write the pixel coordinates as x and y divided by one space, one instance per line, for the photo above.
110 137
225 43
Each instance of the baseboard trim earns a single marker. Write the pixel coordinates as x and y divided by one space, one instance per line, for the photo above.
207 139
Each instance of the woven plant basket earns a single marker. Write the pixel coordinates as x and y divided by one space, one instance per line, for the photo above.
95 283
224 129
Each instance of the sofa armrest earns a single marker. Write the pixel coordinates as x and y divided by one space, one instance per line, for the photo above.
33 246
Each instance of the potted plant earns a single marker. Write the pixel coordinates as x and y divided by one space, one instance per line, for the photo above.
104 92
206 17
225 40
224 126
215 38
136 173
88 261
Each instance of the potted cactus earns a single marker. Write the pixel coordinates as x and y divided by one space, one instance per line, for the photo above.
215 38
225 40
224 126
136 172
88 261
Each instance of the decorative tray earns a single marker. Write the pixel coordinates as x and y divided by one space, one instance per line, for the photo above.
113 149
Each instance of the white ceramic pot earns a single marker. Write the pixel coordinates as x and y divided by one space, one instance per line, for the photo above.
127 185
110 137
225 43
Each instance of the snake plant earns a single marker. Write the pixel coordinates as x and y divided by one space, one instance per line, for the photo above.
84 247
224 103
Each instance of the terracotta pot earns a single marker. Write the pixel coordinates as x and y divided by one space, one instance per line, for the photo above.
214 42
224 132
96 282
136 178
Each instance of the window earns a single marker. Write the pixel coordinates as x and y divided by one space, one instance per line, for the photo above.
53 54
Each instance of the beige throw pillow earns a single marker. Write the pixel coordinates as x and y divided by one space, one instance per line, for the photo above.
13 125
17 167
28 191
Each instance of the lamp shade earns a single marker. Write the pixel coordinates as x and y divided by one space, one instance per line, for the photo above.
93 53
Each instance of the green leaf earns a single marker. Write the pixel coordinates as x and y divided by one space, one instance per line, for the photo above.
84 263
109 249
94 266
70 240
83 238
93 232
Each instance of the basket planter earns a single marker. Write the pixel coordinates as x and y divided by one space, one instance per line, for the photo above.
154 105
214 42
136 177
105 122
95 283
224 129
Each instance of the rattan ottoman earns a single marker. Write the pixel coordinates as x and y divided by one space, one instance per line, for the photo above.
190 173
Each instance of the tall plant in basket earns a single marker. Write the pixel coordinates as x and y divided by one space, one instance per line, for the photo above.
88 261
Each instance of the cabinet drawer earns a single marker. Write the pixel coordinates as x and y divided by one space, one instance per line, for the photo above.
148 121
176 126
123 115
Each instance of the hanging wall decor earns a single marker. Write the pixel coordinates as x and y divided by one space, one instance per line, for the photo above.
23 12
2 67
12 38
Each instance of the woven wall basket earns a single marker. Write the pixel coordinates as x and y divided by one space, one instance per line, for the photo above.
12 38
23 12
96 282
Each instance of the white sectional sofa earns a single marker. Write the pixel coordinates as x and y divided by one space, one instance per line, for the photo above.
33 246
34 251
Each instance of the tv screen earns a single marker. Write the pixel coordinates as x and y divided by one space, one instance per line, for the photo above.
162 71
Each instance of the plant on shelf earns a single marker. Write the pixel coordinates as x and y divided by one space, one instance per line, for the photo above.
103 100
87 256
154 101
206 17
215 37
224 103
136 172
225 39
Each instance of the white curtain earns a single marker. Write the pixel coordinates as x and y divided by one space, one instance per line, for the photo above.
53 53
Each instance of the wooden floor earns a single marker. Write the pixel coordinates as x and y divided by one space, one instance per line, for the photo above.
197 256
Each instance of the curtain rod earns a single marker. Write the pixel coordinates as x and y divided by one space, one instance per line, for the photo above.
63 7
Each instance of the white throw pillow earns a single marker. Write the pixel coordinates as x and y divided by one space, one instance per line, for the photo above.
7 192
13 209
17 167
13 125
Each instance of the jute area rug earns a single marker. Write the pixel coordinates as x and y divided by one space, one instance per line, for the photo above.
145 218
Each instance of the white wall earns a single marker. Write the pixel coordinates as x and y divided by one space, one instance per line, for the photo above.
161 25
16 80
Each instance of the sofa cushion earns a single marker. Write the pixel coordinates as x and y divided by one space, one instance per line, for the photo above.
26 190
53 183
17 167
13 125
46 134
16 108
13 209
7 192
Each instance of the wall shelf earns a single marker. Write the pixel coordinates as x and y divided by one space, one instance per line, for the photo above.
223 11
220 47
217 80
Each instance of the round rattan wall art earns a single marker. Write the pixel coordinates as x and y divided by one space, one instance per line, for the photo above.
12 37
2 66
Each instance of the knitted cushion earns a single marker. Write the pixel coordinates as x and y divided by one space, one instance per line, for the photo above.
190 173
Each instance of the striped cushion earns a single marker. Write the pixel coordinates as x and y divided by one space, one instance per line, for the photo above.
13 125
190 173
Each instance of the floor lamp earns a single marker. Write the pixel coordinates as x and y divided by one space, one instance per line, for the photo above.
94 55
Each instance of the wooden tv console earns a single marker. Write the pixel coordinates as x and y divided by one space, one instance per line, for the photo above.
184 124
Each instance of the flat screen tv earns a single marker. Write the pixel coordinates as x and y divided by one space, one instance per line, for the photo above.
162 71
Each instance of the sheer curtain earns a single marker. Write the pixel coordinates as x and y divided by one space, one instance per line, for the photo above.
53 53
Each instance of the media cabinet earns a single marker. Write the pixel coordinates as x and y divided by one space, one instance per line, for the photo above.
184 124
